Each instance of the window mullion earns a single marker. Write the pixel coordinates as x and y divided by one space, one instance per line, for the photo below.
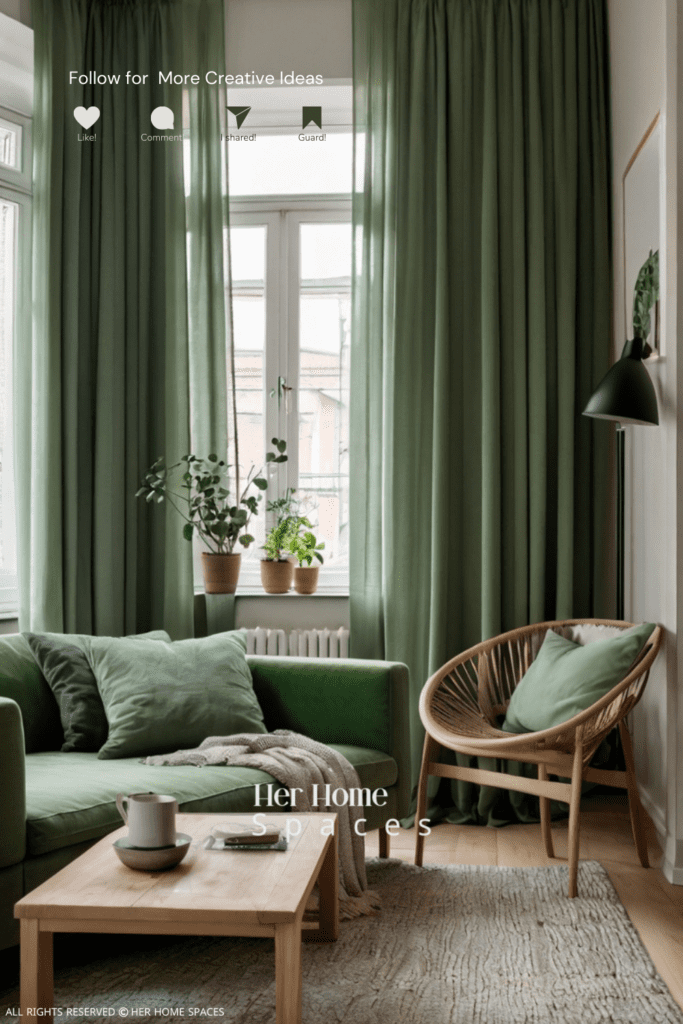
274 328
291 350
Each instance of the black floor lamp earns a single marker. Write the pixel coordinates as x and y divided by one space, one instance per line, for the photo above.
626 395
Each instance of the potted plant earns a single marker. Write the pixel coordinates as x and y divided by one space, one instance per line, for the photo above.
198 489
277 568
305 547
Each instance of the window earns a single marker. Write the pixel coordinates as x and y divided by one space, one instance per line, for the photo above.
15 214
10 145
291 270
290 234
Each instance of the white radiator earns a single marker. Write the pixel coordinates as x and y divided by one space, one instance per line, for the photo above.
302 643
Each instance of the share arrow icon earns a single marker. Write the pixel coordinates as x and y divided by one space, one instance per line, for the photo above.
240 114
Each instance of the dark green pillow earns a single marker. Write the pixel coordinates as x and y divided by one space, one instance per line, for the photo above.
162 697
22 681
566 678
61 658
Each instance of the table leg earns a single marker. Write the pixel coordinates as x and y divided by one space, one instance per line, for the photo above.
328 887
288 973
37 985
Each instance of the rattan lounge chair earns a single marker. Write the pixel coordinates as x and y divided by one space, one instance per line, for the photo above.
461 708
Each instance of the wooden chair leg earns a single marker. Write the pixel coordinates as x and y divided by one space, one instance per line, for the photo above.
544 803
574 813
429 751
384 842
634 805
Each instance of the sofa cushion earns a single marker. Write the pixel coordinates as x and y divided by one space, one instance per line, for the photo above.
164 697
70 797
22 681
62 659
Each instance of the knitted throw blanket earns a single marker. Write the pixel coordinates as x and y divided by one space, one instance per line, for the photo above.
298 762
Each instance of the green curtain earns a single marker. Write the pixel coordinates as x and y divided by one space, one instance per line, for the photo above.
482 296
128 357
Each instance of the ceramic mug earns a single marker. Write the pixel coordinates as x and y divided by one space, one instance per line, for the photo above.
150 818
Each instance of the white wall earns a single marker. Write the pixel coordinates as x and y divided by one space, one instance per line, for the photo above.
644 73
291 611
16 66
304 36
20 10
12 8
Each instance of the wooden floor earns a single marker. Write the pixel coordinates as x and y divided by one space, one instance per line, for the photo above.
654 905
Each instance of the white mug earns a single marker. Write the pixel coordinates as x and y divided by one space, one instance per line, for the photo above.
150 818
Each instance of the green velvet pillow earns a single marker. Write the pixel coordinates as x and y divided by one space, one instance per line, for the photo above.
61 658
566 678
163 697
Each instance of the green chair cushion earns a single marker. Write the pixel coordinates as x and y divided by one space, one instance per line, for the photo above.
22 681
163 697
70 797
61 657
566 678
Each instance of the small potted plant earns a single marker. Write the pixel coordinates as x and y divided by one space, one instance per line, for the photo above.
305 547
276 569
198 489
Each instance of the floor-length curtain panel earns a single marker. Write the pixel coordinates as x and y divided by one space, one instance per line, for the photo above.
481 322
128 358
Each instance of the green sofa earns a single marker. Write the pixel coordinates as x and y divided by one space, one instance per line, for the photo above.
53 805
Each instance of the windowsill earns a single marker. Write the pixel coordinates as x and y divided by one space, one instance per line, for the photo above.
320 592
256 591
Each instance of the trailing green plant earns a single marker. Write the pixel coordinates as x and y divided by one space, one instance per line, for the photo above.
645 295
305 547
199 490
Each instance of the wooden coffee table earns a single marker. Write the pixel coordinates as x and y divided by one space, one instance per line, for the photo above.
212 892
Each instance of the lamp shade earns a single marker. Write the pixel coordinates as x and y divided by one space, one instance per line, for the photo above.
626 392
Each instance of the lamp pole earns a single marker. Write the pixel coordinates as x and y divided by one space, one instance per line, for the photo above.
621 508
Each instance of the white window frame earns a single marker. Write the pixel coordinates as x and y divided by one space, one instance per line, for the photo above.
16 95
9 583
283 217
17 177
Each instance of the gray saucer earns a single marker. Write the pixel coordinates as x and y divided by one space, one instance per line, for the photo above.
152 860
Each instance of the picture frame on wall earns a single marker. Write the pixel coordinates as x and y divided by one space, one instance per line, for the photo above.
641 207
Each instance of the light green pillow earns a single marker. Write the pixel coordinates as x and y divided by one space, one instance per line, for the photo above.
566 678
62 661
163 697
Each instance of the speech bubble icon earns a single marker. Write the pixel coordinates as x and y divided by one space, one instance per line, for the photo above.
86 118
162 117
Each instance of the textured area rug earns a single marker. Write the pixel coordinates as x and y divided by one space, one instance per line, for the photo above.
451 945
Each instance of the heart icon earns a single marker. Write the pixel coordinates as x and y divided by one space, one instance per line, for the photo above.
87 118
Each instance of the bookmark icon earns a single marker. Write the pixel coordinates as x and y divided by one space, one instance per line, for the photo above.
311 115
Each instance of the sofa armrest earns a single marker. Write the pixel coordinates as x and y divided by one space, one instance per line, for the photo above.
13 785
346 700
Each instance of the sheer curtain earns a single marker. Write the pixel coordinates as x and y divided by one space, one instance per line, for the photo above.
128 356
482 299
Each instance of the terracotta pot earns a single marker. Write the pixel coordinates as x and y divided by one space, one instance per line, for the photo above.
221 572
276 577
306 579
